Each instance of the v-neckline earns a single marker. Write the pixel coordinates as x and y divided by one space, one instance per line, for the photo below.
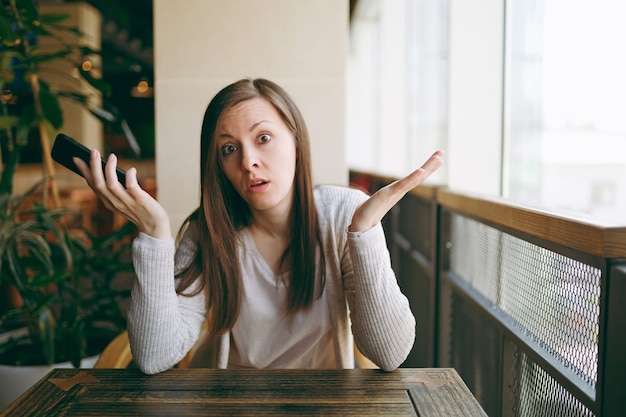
251 245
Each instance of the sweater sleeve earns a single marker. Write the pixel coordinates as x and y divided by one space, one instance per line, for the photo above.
162 326
383 324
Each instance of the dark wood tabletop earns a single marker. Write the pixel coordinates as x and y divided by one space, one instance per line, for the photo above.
205 392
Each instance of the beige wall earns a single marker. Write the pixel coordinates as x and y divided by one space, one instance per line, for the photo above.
202 45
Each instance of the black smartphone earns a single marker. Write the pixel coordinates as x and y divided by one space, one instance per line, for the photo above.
65 148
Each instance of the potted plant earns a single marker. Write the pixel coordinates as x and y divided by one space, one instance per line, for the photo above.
71 288
66 304
71 298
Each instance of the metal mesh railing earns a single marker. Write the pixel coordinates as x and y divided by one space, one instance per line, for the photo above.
527 305
552 298
538 394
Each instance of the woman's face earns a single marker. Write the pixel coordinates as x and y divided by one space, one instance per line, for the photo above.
258 155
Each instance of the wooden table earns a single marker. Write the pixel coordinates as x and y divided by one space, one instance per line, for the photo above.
204 392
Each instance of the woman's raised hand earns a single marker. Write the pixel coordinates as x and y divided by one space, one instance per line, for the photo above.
371 212
132 202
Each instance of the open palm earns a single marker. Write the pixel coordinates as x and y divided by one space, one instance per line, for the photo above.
374 209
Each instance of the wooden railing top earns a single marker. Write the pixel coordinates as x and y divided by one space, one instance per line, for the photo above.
587 235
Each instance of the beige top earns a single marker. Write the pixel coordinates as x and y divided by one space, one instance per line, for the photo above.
364 300
264 336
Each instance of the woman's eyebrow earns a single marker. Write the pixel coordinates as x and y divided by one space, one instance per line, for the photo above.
255 125
226 135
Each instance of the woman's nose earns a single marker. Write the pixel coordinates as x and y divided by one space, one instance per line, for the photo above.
249 159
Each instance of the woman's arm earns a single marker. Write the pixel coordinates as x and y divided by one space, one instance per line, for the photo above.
382 322
162 325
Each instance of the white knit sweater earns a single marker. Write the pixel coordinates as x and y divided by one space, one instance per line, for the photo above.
364 299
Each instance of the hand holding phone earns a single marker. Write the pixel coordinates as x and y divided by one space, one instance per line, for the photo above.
138 206
65 148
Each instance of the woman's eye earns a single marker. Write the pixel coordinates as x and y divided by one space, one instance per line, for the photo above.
264 138
228 149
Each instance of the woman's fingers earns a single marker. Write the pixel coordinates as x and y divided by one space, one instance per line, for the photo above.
374 209
132 202
101 177
131 178
83 168
416 178
110 171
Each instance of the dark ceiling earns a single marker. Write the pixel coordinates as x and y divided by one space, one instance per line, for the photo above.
126 36
127 59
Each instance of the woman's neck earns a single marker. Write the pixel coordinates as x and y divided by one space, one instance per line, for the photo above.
273 222
275 226
271 240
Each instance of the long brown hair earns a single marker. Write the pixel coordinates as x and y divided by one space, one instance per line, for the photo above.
222 213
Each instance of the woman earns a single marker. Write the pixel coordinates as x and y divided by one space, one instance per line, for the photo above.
270 270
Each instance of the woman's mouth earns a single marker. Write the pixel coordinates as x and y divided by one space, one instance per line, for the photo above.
257 185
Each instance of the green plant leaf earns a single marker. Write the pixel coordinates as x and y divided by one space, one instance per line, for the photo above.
35 27
53 18
47 332
28 119
75 31
8 122
80 98
10 61
86 50
38 249
50 106
77 335
17 235
28 10
38 57
7 34
49 219
102 86
15 269
46 301
42 281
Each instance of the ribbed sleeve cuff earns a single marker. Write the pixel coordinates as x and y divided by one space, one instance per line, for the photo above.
368 249
153 260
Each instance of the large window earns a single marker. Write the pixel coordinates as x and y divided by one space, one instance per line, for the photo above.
565 106
528 97
397 85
